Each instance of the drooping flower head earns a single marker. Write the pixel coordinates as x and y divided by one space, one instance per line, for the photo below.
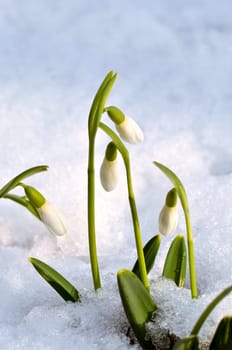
127 128
48 214
109 168
169 214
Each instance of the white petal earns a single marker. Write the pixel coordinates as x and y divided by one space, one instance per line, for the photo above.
51 217
168 220
109 174
130 131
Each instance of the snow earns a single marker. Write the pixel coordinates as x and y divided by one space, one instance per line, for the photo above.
174 65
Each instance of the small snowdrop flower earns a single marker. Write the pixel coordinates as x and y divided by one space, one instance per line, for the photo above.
49 215
169 214
127 128
109 168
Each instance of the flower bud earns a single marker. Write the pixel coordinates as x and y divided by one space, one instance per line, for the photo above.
115 114
109 168
49 215
127 128
169 214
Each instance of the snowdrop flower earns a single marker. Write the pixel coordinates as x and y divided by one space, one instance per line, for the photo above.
127 128
109 168
49 215
169 214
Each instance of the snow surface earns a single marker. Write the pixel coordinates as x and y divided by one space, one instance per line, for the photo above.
174 63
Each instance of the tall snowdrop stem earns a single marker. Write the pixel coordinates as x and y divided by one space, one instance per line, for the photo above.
184 202
91 219
137 232
95 115
192 270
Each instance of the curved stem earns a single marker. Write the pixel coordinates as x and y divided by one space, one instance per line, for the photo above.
184 202
137 232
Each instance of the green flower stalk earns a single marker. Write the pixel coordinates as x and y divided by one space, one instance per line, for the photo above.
95 115
133 134
5 191
137 231
184 202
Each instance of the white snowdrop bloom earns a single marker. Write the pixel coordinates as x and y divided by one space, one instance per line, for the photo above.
109 172
127 128
168 220
169 214
51 217
130 131
48 214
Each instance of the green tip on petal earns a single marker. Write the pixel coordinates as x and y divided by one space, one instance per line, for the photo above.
171 199
115 114
34 196
111 152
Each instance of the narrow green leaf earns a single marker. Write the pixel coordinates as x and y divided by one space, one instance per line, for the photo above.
99 103
150 251
15 181
22 200
190 343
137 303
175 263
102 101
63 287
95 102
223 336
209 309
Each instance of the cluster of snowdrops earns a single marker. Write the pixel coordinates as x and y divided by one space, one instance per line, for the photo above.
133 285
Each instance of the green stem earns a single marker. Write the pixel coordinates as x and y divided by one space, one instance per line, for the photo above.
192 270
91 217
136 225
137 232
95 115
209 309
184 202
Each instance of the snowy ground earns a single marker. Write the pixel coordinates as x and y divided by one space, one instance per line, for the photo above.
174 63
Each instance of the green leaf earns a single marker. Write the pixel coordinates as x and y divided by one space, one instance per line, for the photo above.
15 181
24 202
223 336
63 287
209 309
99 101
175 263
95 102
137 303
150 251
190 343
